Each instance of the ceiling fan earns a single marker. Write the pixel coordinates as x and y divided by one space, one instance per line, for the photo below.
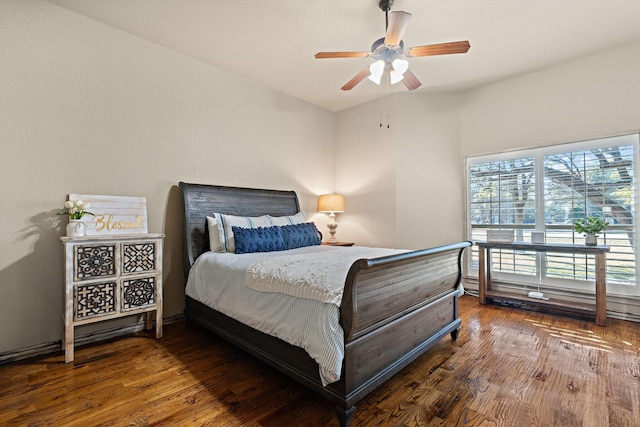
389 50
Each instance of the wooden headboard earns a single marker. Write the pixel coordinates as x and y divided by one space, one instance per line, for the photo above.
202 200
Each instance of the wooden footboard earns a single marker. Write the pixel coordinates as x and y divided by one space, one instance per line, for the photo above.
394 309
377 291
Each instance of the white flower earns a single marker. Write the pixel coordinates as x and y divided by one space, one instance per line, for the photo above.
76 209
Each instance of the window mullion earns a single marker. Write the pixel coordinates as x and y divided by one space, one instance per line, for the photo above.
540 211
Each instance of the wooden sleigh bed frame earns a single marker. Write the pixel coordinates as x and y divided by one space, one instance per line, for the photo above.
393 309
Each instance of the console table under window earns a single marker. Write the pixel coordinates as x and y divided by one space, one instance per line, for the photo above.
484 279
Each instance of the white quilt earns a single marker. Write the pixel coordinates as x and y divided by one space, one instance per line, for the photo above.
217 279
309 275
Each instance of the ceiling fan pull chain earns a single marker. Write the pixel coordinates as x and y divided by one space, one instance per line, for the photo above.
382 107
387 101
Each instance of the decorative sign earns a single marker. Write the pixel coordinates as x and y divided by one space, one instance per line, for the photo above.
505 236
114 214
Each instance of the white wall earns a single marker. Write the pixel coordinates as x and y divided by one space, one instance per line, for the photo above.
365 174
429 179
589 98
393 177
86 108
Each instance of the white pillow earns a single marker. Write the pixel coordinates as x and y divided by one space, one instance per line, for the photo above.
214 235
298 218
225 222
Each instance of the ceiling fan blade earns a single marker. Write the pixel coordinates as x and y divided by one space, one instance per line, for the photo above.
439 49
411 81
356 79
322 55
398 23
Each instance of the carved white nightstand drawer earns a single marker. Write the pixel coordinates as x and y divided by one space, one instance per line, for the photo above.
93 300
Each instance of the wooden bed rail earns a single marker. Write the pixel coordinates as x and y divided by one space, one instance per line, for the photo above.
378 291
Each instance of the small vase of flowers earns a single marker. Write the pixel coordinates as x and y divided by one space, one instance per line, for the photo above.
590 226
75 209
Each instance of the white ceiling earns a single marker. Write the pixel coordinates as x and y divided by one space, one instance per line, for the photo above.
275 41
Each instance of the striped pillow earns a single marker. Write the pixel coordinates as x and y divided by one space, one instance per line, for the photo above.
298 218
226 222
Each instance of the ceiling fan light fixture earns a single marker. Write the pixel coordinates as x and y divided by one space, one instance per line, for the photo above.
400 65
376 69
395 77
398 68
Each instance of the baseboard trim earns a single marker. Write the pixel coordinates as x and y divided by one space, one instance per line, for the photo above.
90 338
618 307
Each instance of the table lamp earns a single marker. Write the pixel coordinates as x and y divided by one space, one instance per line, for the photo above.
331 203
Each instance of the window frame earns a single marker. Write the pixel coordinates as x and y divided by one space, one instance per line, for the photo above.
539 154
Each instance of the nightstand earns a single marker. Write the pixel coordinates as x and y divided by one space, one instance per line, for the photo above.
111 277
338 244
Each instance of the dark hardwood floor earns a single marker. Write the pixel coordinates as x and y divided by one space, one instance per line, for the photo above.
509 367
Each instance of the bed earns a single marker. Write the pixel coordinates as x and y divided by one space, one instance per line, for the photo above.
392 309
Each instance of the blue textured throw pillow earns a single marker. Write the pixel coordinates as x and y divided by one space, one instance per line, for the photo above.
300 235
261 239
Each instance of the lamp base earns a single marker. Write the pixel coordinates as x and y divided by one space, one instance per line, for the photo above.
332 225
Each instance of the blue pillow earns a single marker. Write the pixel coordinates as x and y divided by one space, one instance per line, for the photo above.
300 235
261 239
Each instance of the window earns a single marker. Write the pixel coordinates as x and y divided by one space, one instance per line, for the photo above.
547 189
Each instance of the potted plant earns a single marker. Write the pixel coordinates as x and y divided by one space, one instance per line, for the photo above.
76 209
590 226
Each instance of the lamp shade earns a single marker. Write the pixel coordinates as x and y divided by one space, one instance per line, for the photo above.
331 203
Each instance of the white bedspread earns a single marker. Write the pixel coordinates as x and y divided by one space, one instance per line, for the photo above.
308 275
218 280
